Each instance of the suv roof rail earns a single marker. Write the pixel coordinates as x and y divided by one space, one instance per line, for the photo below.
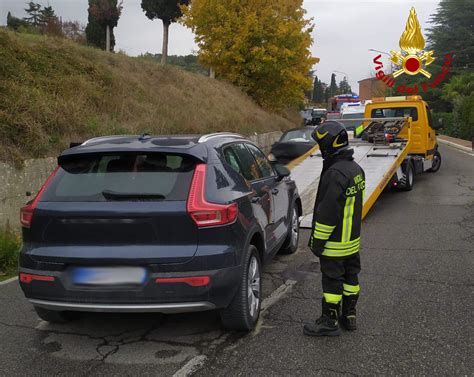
104 138
207 137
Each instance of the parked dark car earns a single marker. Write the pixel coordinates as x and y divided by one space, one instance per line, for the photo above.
292 144
318 116
157 224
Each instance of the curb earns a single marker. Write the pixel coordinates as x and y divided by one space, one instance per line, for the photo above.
457 146
9 280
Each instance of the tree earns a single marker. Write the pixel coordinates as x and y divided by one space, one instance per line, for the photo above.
344 86
460 92
167 11
333 88
15 23
327 94
453 31
74 30
106 13
33 11
318 91
47 15
260 47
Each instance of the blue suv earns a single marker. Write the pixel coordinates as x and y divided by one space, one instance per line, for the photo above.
164 224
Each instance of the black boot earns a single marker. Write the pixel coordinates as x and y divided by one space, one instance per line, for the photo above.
348 317
327 324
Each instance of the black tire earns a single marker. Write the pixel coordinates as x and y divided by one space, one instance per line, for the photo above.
54 316
238 315
291 242
436 163
409 177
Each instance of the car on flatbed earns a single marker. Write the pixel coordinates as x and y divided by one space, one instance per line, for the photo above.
164 224
292 144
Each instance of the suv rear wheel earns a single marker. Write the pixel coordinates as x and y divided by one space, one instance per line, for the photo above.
243 312
291 242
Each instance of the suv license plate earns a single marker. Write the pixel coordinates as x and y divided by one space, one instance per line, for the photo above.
108 275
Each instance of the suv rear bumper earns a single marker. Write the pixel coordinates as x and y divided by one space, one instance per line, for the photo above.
181 307
60 294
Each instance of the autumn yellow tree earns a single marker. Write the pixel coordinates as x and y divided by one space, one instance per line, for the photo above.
260 45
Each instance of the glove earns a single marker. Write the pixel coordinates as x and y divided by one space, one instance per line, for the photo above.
316 246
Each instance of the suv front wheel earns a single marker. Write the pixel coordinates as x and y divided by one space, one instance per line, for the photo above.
243 312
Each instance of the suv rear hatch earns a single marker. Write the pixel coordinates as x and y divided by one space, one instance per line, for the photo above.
115 208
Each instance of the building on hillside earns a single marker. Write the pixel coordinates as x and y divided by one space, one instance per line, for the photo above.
371 87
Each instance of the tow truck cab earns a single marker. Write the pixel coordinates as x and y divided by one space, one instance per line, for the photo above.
423 145
423 135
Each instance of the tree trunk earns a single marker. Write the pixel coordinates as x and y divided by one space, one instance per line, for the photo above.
164 53
107 38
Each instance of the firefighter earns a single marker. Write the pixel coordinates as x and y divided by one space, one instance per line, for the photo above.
335 234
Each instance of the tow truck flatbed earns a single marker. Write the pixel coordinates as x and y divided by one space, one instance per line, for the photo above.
379 164
395 141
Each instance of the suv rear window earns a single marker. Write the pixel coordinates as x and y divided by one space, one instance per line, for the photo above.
122 176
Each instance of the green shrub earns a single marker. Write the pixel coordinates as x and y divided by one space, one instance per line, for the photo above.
447 119
463 117
9 248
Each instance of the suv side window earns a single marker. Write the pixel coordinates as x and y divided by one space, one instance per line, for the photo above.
262 162
232 160
240 159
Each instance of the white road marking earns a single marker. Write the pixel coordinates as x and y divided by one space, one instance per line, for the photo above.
277 294
191 366
14 278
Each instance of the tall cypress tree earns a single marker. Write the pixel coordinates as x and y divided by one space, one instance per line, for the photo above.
318 91
95 29
333 88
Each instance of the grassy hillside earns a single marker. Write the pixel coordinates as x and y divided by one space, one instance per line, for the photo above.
53 91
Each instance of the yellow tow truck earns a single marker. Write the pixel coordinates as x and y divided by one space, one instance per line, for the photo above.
395 141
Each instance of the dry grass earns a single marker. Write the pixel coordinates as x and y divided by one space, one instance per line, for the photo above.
53 91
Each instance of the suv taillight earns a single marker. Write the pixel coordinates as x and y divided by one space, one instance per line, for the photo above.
26 212
201 211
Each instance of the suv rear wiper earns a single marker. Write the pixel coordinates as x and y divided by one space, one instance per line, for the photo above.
114 195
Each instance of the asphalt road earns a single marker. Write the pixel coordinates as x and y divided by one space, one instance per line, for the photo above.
415 312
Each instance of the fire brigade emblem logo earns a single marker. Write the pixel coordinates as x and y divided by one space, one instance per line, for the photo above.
412 59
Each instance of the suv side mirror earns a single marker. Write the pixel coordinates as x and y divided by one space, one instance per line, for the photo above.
282 171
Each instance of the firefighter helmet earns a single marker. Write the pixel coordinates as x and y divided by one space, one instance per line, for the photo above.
332 137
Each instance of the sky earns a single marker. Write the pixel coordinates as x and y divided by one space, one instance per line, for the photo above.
344 30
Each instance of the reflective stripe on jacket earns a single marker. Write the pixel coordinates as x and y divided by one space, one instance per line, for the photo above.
338 208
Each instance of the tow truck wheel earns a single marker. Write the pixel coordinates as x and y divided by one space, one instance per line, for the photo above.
409 177
436 163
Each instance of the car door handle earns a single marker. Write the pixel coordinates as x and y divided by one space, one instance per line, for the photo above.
275 191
